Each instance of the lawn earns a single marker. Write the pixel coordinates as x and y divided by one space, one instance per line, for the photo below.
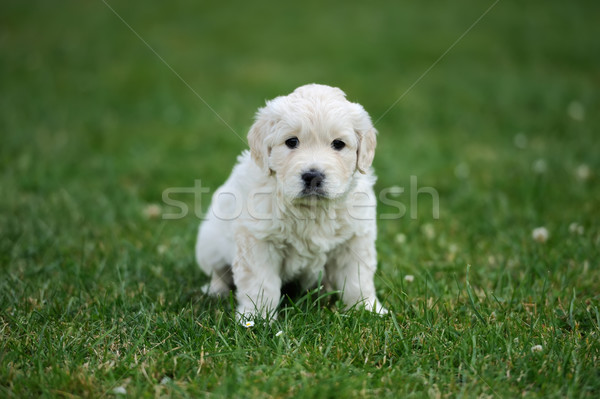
104 105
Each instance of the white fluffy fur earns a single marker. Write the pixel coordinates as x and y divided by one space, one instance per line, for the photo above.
261 231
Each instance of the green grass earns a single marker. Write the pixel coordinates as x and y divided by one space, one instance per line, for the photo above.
94 295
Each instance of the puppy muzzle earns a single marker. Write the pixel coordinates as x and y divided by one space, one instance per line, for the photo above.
313 184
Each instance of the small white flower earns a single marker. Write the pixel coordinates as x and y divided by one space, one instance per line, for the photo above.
575 228
279 333
152 211
119 391
428 230
161 249
520 141
409 278
248 324
537 348
165 380
583 172
540 166
462 170
540 234
400 238
576 111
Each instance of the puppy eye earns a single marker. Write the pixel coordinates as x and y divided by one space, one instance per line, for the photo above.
338 145
292 143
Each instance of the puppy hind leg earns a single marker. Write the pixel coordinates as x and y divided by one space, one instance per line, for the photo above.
221 282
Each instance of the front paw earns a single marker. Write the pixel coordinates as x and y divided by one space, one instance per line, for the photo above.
376 307
381 311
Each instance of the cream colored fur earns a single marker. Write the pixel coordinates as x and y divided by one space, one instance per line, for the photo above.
261 231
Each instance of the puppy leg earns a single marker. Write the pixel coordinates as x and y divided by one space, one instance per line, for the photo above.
212 249
221 282
256 274
351 269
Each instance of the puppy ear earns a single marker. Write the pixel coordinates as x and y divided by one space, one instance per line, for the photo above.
367 139
257 140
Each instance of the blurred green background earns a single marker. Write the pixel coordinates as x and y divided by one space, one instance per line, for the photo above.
93 120
94 125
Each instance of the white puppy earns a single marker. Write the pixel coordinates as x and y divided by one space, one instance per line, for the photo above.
299 206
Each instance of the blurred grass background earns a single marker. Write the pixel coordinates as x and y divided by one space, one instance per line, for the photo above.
94 126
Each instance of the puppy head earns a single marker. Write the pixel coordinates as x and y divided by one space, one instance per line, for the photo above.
313 140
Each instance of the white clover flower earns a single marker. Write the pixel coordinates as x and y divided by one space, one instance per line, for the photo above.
583 172
165 380
576 111
152 211
248 324
161 249
400 238
537 348
575 228
540 166
409 278
428 230
520 141
279 333
540 234
119 391
462 170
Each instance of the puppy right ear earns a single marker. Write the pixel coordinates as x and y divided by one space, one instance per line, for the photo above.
257 140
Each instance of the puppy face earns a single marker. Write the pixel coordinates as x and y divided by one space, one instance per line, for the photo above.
313 141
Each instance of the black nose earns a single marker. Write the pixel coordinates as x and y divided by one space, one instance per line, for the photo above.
313 178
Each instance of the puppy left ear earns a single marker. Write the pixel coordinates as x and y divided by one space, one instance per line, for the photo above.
367 140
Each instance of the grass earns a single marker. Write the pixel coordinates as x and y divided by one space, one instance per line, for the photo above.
97 296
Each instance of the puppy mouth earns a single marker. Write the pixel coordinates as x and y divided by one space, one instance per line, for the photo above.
313 192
